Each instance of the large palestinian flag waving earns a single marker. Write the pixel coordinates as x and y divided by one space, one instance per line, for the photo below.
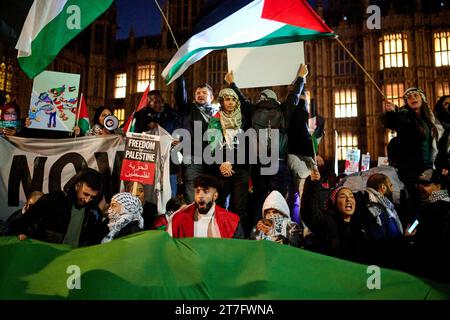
248 23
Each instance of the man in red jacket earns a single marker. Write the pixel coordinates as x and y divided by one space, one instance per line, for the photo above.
203 218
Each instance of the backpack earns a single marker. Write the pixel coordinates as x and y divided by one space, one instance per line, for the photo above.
267 115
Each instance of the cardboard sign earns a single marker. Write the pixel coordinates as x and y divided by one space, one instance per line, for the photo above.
54 101
266 66
365 162
383 161
352 161
140 155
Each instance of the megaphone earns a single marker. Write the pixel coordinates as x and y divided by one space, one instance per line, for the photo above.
111 122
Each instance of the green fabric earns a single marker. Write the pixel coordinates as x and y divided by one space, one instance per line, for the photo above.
214 140
84 125
55 35
72 236
152 265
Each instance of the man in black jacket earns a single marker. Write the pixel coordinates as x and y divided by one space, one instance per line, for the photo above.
194 115
69 216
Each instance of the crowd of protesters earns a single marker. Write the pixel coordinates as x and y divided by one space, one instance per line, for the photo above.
235 200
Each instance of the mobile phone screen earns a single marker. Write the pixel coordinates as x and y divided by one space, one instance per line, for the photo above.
413 226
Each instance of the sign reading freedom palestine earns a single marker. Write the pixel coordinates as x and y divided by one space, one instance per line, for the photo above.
138 164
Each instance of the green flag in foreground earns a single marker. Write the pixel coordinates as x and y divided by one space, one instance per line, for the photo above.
49 26
152 265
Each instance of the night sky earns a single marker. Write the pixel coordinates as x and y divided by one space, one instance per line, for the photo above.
143 16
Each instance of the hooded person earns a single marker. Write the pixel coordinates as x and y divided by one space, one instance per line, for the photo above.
276 224
125 216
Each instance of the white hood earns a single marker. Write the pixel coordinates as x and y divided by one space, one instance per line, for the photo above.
276 201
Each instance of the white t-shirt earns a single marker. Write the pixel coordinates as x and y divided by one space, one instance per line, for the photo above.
202 224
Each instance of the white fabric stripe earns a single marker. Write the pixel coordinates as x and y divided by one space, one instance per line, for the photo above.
245 25
41 13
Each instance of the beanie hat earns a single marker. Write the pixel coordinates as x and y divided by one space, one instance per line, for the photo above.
332 196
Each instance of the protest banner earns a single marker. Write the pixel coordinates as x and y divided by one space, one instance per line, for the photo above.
28 165
141 152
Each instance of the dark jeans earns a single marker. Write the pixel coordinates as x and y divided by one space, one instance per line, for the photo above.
236 187
264 184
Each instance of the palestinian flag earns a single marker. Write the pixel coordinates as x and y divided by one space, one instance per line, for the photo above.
83 116
129 124
248 23
49 26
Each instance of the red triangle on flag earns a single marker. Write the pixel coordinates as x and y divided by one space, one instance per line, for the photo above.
142 105
294 12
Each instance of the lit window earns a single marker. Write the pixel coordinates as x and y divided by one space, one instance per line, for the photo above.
442 48
346 141
394 93
442 89
345 103
2 76
121 86
120 114
393 49
146 75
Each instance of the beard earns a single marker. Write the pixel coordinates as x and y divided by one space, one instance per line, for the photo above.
203 207
390 197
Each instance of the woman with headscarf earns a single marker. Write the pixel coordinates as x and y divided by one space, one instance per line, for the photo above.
99 126
417 136
276 224
418 133
338 229
233 176
125 216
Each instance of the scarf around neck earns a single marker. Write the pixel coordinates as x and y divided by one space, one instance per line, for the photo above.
231 124
376 211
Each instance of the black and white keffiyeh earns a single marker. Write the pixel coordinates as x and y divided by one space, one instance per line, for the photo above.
441 195
376 197
131 211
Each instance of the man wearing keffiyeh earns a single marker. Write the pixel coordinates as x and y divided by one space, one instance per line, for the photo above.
125 216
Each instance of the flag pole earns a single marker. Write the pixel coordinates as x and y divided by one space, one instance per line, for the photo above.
359 65
168 25
77 118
